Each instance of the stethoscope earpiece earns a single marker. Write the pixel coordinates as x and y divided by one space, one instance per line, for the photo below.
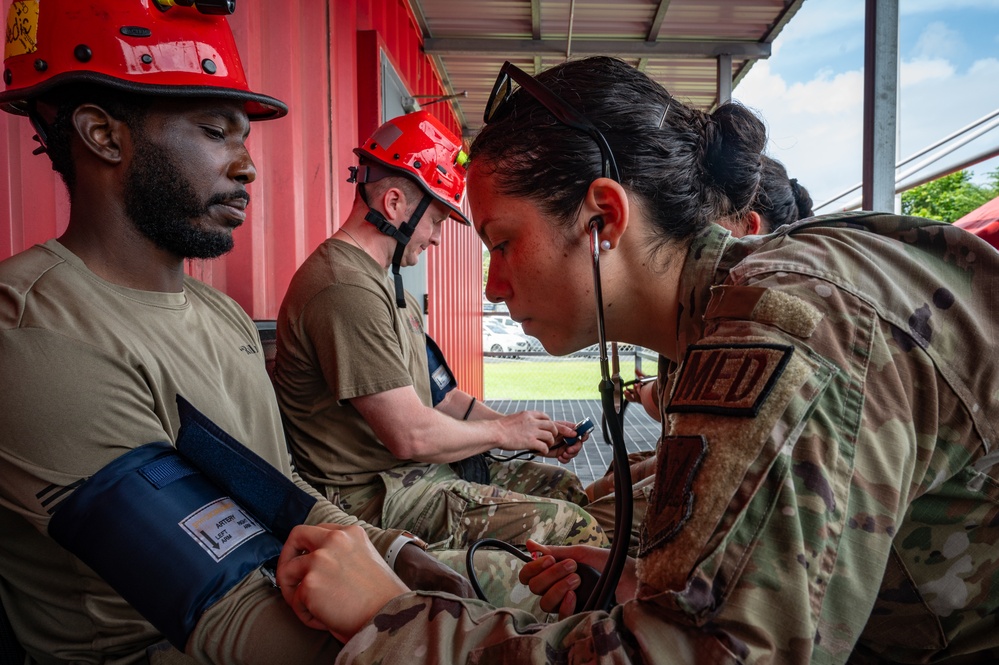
596 226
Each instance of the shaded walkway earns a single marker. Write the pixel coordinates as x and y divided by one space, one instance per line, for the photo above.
640 431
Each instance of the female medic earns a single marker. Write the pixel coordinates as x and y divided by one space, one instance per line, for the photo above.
826 487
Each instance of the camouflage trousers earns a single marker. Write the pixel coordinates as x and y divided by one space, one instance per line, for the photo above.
498 576
603 508
524 500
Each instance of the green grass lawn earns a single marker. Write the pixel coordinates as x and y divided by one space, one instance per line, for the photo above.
548 377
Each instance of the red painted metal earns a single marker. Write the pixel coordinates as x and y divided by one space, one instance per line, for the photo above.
321 59
983 222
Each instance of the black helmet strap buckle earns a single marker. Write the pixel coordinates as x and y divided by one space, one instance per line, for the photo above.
41 135
401 236
366 173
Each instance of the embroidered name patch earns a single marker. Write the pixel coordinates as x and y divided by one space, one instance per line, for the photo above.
672 501
728 379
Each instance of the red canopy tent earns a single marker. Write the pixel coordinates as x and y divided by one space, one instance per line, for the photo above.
983 222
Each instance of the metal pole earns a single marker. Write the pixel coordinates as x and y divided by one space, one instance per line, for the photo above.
724 78
880 99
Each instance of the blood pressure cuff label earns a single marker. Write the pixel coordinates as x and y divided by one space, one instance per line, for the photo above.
163 535
242 474
442 381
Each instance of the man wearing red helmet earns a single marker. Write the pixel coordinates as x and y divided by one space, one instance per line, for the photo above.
367 418
120 373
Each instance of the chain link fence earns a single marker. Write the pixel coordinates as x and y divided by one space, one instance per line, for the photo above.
519 374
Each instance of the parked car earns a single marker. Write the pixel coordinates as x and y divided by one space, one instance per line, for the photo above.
507 322
494 307
514 328
534 344
498 339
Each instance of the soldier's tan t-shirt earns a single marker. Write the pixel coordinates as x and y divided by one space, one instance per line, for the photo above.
340 336
88 371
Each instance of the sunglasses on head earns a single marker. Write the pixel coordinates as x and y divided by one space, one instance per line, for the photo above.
498 106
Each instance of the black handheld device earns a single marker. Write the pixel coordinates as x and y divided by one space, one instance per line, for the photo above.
582 428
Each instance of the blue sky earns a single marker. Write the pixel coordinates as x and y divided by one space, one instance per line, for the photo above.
810 91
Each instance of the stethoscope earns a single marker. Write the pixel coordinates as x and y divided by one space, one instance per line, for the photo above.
602 595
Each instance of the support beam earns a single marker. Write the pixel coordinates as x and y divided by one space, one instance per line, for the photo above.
582 47
724 79
654 30
421 20
536 19
880 104
568 34
657 21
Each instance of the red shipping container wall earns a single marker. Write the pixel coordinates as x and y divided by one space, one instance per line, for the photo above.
321 58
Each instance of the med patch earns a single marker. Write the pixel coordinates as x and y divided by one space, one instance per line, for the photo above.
728 379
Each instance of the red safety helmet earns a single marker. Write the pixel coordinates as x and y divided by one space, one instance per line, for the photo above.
418 145
142 46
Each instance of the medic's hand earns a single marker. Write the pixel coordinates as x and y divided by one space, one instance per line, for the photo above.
420 571
334 579
553 575
559 450
633 393
526 430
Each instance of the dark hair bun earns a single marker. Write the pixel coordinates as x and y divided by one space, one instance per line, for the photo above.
734 140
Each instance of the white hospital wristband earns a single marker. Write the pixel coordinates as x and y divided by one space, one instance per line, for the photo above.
401 541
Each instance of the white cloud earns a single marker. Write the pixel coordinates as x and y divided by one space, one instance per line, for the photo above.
912 7
933 107
816 127
938 41
916 72
822 18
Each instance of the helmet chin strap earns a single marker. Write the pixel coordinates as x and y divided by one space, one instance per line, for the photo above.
41 134
401 235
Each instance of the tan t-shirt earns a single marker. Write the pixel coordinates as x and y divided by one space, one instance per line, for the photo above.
340 335
88 371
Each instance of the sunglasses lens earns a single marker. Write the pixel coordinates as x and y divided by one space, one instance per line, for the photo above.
501 92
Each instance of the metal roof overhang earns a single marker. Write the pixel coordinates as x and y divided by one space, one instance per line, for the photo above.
698 49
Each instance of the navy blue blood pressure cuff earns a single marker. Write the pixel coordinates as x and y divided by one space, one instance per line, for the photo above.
167 535
270 495
442 381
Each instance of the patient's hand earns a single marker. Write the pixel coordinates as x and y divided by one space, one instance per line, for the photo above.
422 572
334 579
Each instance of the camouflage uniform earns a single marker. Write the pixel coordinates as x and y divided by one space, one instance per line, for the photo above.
523 500
828 489
498 575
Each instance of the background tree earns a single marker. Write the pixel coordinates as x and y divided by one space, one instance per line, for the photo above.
949 198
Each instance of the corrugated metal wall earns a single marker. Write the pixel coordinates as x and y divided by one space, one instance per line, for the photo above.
321 59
